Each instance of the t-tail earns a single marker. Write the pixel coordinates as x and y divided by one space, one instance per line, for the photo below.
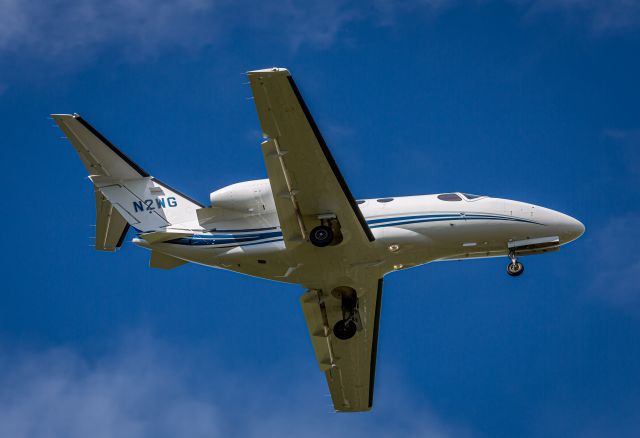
126 195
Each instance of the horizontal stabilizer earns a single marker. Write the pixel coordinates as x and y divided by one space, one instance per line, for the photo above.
111 227
163 261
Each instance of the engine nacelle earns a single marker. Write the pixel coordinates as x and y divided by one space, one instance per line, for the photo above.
249 197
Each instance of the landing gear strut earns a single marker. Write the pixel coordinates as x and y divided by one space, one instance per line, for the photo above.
514 268
346 328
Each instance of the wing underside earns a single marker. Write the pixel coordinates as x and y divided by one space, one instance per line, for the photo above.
309 190
305 179
349 365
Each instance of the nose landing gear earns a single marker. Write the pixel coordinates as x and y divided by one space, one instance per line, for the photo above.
347 327
514 268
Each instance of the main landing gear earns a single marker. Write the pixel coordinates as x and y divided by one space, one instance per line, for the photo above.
514 268
347 327
321 235
327 233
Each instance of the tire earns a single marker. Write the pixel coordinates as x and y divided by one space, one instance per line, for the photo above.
515 269
345 329
321 236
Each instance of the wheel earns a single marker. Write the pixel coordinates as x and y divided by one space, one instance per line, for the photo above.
344 329
515 269
321 236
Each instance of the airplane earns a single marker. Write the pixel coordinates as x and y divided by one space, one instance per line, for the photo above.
302 225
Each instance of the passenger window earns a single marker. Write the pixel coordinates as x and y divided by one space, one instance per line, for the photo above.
449 197
385 200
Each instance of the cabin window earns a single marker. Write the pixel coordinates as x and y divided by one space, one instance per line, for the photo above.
385 200
470 196
449 197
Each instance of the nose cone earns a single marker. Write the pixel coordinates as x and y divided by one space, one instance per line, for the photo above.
569 229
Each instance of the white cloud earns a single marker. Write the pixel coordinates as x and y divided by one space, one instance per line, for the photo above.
599 15
134 393
147 389
76 29
140 28
315 24
387 12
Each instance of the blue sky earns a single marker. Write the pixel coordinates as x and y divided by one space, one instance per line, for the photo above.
532 100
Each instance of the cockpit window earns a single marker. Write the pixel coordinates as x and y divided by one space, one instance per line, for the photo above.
449 197
361 201
385 200
470 196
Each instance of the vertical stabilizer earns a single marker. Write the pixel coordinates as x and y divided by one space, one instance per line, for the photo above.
125 193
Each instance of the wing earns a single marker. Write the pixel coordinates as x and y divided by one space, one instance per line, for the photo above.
349 365
305 180
308 188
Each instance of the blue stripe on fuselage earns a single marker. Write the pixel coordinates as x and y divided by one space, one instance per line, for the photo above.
256 237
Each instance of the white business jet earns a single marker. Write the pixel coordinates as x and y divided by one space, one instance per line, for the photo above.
302 225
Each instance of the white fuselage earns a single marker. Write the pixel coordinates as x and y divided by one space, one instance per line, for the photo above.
409 231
